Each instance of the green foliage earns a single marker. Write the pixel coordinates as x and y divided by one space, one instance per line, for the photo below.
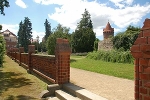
121 70
58 32
42 46
3 3
51 43
2 50
0 27
47 29
96 44
126 39
112 56
82 40
37 46
19 34
85 21
25 33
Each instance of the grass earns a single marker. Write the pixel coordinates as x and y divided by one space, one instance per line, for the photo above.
17 84
108 68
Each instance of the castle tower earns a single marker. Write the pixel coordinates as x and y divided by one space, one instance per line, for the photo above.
108 31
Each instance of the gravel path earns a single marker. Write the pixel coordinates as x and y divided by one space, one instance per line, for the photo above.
110 87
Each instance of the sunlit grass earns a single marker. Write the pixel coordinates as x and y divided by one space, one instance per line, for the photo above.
114 69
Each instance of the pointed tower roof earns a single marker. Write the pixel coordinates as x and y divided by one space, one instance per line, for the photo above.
108 28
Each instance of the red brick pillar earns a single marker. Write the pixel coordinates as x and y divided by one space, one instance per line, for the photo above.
31 49
62 54
21 50
141 52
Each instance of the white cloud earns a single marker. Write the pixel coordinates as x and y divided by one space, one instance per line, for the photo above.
129 2
122 3
124 17
21 4
58 2
14 29
11 27
69 13
40 34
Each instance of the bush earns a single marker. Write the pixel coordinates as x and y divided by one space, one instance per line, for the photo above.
111 56
2 50
79 54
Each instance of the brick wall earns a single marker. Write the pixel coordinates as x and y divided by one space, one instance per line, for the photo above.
10 45
105 44
108 34
53 68
45 65
141 52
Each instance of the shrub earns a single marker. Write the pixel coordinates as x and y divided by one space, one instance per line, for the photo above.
2 50
111 56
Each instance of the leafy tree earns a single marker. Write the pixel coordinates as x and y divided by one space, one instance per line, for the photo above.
96 44
83 38
43 46
3 3
47 29
124 40
25 33
58 32
2 50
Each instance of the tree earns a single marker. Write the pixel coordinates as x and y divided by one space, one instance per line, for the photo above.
25 33
58 32
0 27
47 29
47 34
43 46
96 44
85 21
124 40
83 38
3 3
20 37
2 50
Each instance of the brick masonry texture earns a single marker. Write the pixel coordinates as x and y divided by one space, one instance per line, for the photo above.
53 68
141 52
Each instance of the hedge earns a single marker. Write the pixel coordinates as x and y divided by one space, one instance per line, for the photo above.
2 50
111 56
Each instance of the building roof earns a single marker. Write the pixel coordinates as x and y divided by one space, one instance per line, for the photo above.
8 32
9 36
108 28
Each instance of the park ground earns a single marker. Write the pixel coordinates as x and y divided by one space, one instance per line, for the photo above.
17 84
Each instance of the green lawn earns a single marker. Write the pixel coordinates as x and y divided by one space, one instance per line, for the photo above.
114 69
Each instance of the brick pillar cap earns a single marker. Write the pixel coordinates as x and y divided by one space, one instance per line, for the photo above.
146 24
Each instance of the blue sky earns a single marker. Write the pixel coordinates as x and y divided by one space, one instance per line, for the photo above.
120 14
